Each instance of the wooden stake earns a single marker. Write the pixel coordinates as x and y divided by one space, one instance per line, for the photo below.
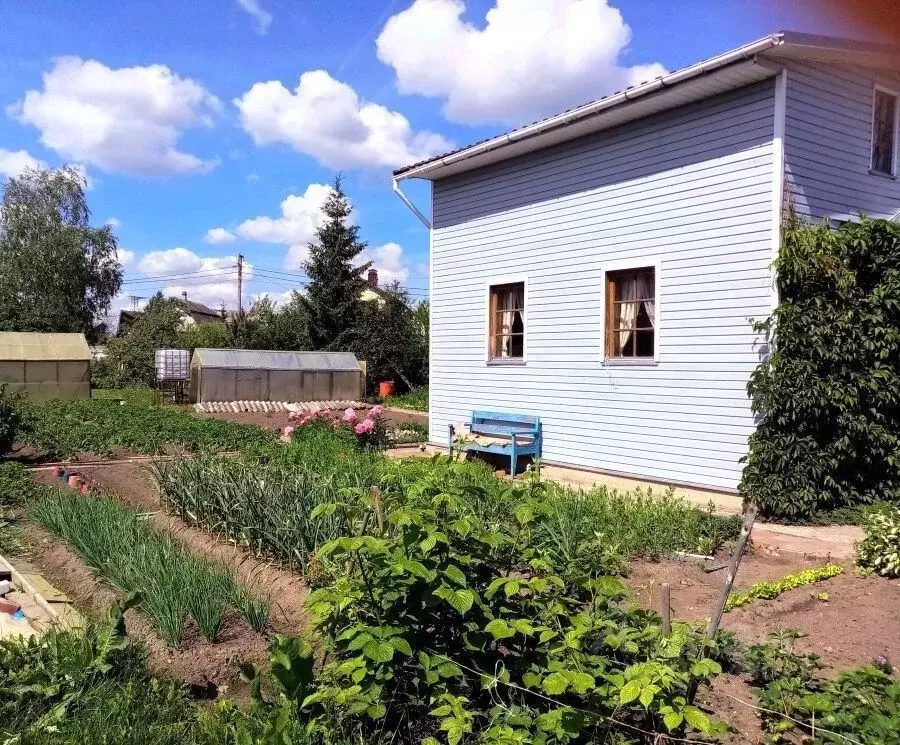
666 610
376 503
749 518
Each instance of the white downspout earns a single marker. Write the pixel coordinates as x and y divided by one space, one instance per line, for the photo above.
425 221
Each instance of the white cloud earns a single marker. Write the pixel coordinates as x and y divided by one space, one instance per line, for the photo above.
252 178
126 120
326 119
300 216
529 59
219 235
261 17
126 256
389 261
13 162
114 222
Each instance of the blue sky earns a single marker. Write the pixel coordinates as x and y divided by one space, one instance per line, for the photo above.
192 117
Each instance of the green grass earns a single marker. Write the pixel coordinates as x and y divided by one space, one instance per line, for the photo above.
64 428
134 396
416 399
119 544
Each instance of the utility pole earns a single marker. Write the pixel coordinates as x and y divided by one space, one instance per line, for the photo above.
240 268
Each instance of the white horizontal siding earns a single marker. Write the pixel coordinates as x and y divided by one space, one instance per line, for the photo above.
692 188
827 142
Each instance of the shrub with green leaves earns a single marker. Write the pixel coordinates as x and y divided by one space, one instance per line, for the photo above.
440 628
828 393
861 705
10 419
879 552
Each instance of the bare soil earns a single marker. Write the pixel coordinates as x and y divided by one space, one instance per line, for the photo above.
206 667
284 590
857 622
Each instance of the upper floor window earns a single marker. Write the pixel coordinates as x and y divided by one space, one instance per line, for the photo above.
884 131
506 332
631 313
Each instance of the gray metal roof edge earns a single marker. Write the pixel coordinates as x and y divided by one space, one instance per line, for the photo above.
780 39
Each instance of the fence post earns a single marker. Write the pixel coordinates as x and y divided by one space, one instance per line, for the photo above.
749 518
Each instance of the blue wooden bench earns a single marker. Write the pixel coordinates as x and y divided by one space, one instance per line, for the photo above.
502 434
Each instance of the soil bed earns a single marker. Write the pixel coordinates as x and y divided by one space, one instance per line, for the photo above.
284 590
204 666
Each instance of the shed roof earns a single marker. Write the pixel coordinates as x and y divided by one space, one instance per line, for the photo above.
275 360
21 345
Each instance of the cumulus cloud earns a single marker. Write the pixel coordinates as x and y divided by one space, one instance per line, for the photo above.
125 256
388 259
219 235
13 162
114 222
301 214
326 119
527 60
262 19
127 120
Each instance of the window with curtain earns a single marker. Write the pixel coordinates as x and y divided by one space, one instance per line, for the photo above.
631 313
506 335
884 131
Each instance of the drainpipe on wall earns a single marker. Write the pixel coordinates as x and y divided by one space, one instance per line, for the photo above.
425 221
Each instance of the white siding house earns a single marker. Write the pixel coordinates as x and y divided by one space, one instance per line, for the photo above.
656 211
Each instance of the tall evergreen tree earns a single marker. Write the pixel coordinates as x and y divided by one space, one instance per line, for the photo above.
57 273
332 300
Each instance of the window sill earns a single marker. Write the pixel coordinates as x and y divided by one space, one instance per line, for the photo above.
625 362
881 174
517 362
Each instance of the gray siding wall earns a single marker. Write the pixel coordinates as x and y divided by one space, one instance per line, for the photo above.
691 188
827 142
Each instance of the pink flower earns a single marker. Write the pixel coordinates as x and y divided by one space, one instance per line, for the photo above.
376 410
349 416
288 431
364 427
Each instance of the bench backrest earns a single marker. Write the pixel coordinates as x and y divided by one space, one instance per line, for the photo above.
502 423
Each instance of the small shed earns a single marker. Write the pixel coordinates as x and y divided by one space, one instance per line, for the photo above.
45 366
263 375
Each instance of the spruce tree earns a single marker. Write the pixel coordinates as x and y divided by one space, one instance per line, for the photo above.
332 300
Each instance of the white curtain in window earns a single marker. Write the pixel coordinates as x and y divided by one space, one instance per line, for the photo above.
646 288
511 301
627 311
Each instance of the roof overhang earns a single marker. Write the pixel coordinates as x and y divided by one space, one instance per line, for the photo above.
748 64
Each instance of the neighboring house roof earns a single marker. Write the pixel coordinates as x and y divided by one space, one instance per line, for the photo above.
252 359
20 345
196 312
746 64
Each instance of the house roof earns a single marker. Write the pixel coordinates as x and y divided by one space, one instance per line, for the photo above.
275 360
747 64
19 345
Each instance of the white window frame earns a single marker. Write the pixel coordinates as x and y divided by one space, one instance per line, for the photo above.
896 94
625 265
507 361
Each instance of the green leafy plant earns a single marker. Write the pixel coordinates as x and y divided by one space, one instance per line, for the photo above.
771 590
861 705
879 552
64 428
416 399
139 562
10 419
828 393
452 627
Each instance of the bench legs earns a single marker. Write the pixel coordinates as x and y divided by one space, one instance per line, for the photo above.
450 439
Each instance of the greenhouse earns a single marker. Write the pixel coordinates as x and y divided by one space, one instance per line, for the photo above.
45 366
262 375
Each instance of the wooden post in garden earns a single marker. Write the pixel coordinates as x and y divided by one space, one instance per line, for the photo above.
749 518
666 609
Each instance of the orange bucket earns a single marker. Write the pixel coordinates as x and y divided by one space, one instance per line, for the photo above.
386 388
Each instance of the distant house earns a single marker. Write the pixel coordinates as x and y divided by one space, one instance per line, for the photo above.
599 268
372 290
193 313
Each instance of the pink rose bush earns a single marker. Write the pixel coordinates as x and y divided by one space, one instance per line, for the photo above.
365 424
